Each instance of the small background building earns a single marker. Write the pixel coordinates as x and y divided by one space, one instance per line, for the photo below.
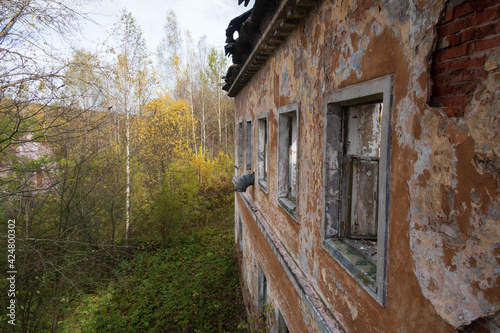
372 129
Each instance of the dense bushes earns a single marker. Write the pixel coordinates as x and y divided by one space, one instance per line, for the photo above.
188 285
196 190
182 274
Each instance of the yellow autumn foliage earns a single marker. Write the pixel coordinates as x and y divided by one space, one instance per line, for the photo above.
163 134
204 172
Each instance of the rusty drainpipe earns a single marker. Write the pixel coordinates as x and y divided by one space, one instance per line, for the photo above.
241 184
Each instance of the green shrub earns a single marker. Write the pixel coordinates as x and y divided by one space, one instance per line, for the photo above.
189 285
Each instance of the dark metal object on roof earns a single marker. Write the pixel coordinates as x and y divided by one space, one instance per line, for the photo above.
260 30
246 2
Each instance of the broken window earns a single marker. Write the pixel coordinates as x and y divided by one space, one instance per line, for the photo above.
262 152
287 158
249 145
356 183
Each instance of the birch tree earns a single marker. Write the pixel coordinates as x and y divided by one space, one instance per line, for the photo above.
217 65
131 85
169 53
189 81
202 80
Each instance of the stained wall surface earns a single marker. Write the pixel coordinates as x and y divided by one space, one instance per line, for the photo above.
443 240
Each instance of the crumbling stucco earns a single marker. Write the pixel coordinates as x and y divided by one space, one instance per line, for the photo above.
455 209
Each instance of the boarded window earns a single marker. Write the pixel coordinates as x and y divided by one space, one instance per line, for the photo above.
356 169
360 170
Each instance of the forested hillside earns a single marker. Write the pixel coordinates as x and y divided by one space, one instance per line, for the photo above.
116 205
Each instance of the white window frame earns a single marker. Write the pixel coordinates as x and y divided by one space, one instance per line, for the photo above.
378 90
288 193
263 150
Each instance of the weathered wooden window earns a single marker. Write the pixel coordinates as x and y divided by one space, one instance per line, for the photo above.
356 169
288 142
249 145
362 128
262 152
240 145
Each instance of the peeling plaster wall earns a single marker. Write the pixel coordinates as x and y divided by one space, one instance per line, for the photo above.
282 295
455 212
444 230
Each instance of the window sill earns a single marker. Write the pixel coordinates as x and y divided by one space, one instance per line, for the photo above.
262 184
367 248
361 269
289 206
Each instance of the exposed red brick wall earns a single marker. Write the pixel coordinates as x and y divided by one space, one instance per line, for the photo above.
467 34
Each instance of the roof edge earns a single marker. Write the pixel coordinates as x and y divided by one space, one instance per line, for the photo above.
284 21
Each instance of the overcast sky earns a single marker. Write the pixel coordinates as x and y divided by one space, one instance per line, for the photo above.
201 17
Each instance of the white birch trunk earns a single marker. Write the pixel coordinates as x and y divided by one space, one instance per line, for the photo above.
127 208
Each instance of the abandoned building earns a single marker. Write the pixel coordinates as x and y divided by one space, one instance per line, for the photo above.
367 164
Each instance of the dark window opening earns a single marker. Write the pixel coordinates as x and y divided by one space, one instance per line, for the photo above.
240 145
288 145
262 293
249 145
262 153
282 327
